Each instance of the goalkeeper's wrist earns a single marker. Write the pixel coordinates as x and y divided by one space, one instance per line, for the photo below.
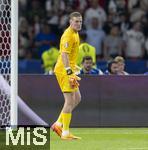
68 71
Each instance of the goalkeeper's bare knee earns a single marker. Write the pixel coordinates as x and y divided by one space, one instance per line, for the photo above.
68 106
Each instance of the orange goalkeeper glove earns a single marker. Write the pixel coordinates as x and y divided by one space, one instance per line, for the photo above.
73 79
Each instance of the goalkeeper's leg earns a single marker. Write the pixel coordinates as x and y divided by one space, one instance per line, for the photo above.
67 112
72 98
61 126
76 98
69 105
71 101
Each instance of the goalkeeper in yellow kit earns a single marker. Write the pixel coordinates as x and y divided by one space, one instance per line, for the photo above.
65 74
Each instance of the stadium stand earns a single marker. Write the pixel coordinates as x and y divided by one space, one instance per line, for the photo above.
54 13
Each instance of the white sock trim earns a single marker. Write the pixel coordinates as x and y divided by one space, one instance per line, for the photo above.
65 132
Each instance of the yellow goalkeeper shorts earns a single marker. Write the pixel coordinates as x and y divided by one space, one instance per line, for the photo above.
64 83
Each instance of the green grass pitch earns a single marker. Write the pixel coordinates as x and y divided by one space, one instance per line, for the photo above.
104 139
92 139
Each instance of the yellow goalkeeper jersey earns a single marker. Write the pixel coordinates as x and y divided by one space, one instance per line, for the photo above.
69 43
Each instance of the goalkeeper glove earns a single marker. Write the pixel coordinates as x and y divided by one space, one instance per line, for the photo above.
77 70
73 79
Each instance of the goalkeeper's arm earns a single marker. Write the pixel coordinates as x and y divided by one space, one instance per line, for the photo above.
65 59
72 77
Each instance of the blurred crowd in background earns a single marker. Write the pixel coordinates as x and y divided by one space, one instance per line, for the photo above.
112 27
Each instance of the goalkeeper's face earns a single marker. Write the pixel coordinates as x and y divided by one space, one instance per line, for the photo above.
76 23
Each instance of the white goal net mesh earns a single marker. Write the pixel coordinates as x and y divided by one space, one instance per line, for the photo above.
5 54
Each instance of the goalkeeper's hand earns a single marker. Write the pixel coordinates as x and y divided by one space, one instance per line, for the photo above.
77 70
73 79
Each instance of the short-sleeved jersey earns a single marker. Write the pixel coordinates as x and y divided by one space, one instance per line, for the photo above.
69 43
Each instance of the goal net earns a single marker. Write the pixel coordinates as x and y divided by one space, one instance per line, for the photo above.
9 99
5 52
6 58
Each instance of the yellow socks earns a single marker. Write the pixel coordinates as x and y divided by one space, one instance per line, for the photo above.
59 121
66 118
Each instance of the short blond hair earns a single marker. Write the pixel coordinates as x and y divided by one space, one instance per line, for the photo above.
119 59
74 14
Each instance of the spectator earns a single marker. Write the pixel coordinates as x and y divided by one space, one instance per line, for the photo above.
49 58
85 49
35 10
63 20
43 40
115 16
134 41
141 4
95 11
36 26
78 5
87 67
22 7
144 5
108 24
112 6
112 68
54 5
54 10
121 65
137 9
55 13
121 5
132 4
124 22
113 43
144 23
96 37
24 41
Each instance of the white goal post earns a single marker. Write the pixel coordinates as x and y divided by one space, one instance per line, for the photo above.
14 64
